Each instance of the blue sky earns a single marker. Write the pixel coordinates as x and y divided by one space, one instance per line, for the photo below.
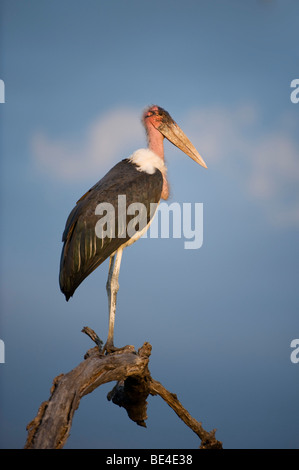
220 319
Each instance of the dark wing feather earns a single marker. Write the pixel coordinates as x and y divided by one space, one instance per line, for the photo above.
83 251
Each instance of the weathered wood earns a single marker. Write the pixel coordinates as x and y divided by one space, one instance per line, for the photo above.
132 392
208 440
51 427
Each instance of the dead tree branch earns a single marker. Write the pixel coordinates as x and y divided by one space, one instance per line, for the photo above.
51 426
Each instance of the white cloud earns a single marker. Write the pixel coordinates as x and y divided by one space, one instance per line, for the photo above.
106 141
219 131
267 164
230 140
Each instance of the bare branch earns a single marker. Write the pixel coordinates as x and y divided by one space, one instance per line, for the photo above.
208 440
51 427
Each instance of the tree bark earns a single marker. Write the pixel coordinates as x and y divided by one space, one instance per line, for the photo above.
51 426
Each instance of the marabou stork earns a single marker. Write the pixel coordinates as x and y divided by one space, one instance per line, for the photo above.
142 179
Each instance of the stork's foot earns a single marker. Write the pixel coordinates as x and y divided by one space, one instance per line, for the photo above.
109 348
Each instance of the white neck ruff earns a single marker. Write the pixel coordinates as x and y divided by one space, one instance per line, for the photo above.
146 160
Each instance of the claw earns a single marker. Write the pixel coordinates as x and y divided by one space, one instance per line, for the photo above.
109 348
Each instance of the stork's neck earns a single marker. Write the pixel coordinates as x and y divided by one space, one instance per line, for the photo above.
155 144
155 141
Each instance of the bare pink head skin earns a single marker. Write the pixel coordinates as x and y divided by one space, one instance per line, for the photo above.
159 124
151 120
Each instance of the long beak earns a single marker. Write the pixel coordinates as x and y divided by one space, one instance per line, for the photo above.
176 136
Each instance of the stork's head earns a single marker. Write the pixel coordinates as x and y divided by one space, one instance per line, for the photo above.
163 122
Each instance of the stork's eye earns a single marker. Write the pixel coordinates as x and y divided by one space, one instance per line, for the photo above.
152 112
149 114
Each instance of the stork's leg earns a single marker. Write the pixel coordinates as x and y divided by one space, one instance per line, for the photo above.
112 289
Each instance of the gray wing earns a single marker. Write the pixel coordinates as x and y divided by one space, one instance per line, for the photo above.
87 240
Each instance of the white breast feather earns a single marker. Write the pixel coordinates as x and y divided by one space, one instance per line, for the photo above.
148 161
